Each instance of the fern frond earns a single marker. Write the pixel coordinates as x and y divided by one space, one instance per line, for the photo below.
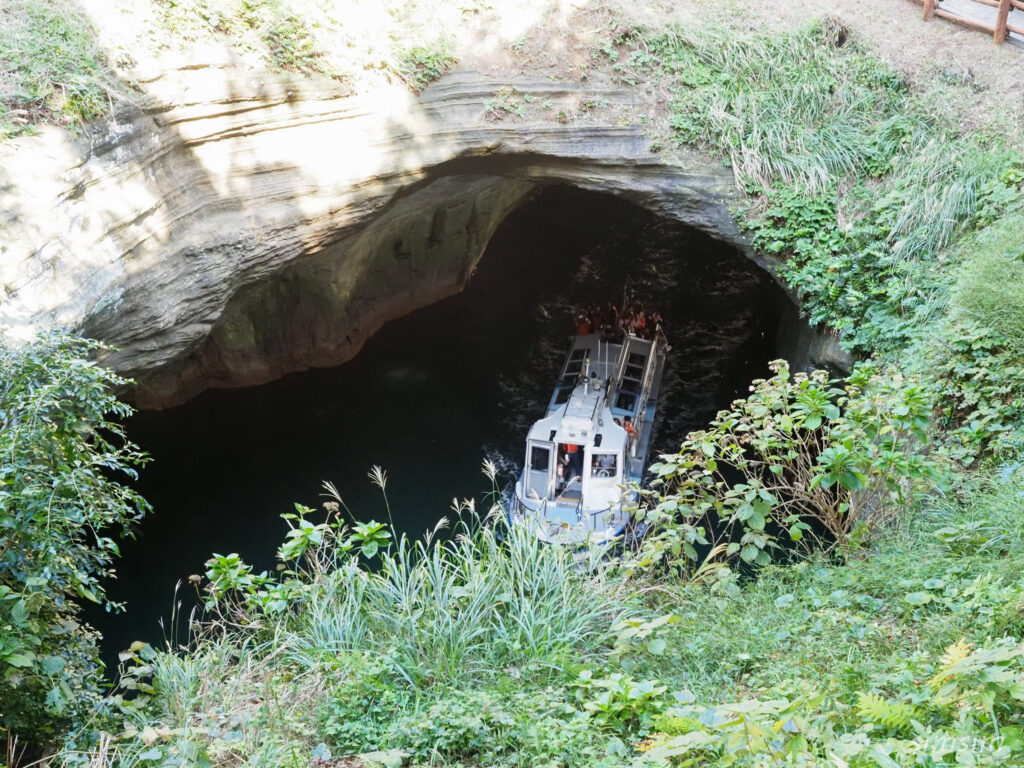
961 649
894 716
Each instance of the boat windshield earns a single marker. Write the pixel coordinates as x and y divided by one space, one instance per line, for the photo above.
604 465
540 458
538 479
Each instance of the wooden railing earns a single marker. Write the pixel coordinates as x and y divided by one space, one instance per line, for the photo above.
1000 29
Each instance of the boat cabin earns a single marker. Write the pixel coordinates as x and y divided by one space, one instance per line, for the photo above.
593 439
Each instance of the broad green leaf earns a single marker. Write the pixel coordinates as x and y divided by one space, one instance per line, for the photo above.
19 614
52 665
55 700
21 659
918 598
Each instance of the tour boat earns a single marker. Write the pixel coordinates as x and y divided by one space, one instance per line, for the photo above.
591 446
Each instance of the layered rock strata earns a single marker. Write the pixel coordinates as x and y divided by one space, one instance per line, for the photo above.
230 229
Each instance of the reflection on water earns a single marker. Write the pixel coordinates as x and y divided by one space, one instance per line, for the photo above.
436 392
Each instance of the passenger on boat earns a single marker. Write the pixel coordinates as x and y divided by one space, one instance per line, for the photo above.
563 473
582 324
630 429
653 322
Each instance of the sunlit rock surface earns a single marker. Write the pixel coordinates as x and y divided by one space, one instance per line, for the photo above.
232 229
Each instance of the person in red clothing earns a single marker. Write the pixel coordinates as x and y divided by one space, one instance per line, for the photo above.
630 429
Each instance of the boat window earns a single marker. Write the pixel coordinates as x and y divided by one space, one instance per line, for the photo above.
562 394
540 458
626 401
635 359
630 386
578 354
604 465
633 371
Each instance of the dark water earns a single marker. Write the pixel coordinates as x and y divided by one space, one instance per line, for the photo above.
435 393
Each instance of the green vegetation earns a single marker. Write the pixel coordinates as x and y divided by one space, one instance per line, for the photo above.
422 65
51 68
833 576
990 290
286 41
800 457
345 40
60 505
854 184
446 650
480 652
505 104
54 69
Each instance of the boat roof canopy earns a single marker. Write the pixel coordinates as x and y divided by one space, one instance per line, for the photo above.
583 418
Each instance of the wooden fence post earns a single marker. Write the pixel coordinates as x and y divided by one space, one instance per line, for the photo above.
1001 18
929 9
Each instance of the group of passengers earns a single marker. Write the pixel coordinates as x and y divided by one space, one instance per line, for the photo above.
614 324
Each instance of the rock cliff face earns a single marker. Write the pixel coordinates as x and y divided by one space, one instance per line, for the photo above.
230 230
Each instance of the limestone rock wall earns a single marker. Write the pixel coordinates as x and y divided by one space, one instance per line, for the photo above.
322 308
231 229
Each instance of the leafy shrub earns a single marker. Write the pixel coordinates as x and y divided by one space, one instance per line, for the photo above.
361 704
421 65
799 455
619 703
865 263
473 725
61 452
842 273
979 396
293 48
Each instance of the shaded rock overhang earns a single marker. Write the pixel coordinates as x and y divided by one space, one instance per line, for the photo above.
233 229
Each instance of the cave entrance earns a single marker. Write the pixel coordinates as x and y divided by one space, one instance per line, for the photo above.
434 393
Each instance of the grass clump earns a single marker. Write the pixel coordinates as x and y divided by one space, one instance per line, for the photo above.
800 108
451 651
990 290
51 69
852 182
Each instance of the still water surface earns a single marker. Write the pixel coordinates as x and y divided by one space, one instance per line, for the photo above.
435 393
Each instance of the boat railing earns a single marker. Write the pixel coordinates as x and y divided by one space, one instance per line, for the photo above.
620 368
518 505
589 519
648 380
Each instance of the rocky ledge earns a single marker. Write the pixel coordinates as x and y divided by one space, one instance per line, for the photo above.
230 229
